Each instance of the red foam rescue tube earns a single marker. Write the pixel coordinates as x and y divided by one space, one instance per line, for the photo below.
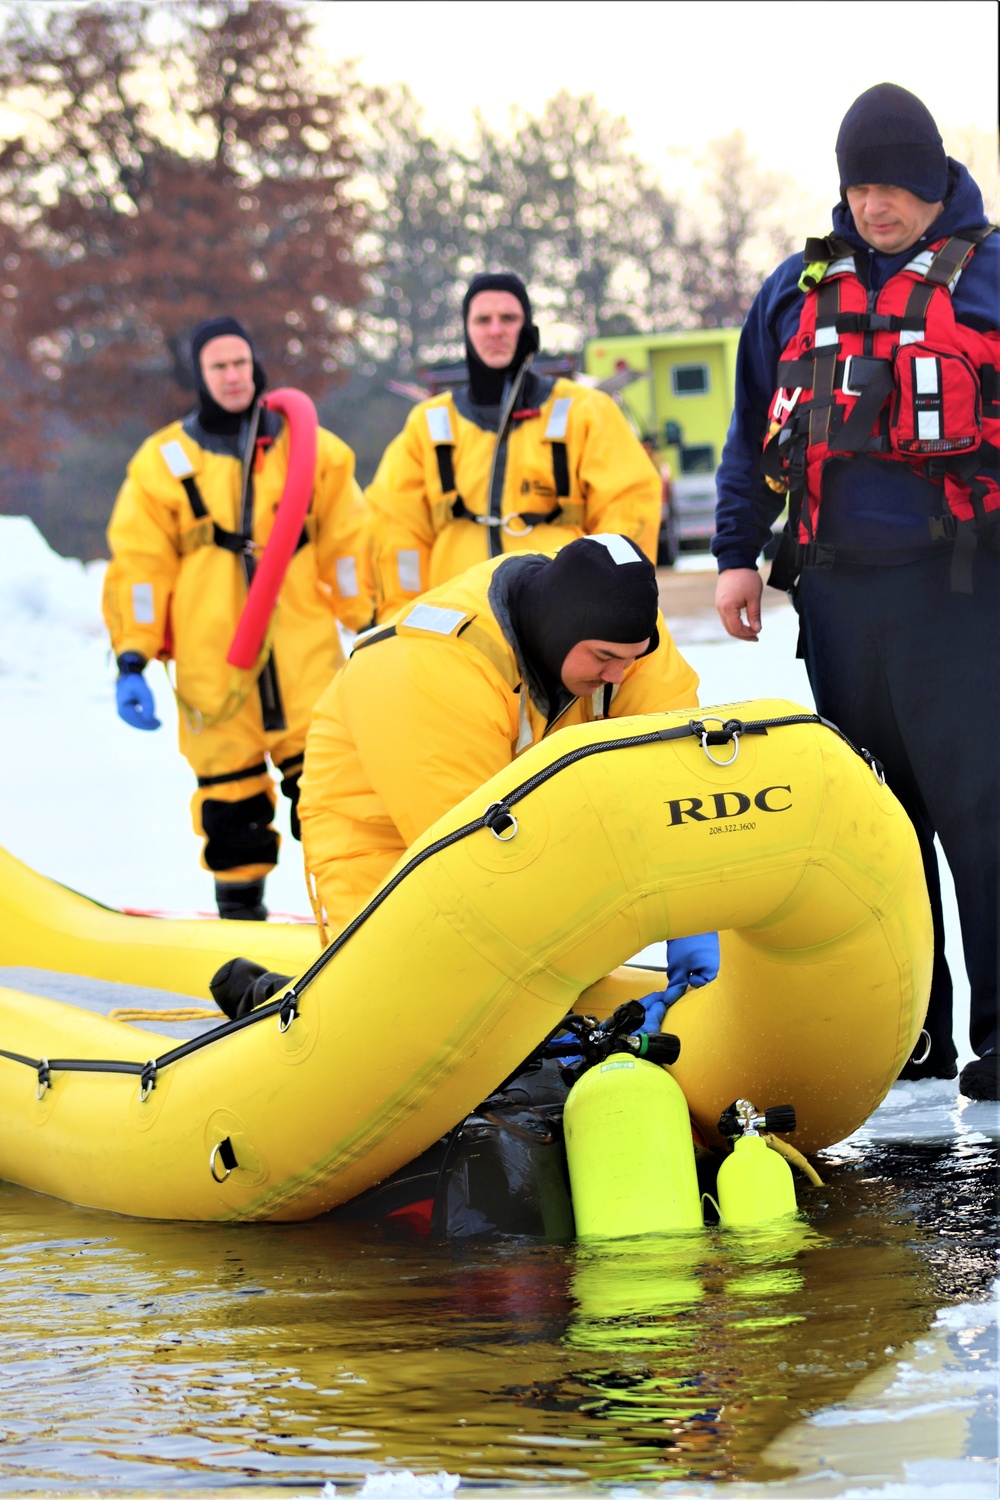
300 414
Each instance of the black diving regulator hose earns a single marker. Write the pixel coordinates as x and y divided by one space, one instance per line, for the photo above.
500 821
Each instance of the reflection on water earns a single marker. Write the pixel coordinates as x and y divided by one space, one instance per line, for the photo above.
137 1355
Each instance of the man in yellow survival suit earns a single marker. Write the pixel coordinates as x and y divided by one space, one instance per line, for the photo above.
432 705
192 517
514 462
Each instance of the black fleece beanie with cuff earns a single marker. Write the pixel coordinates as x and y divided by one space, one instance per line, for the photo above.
888 136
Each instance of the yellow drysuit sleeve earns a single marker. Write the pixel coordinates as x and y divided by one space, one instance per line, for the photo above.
404 732
400 529
341 547
143 538
621 489
431 721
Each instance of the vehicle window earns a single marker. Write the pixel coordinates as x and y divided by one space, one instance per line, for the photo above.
699 459
689 380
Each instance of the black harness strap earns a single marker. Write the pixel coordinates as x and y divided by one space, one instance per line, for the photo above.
990 387
373 639
446 468
258 770
878 384
461 512
560 471
825 377
951 258
531 518
229 541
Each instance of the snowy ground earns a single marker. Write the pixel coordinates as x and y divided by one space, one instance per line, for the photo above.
103 808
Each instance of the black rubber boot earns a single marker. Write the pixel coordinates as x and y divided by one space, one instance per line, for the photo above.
980 1078
241 901
241 985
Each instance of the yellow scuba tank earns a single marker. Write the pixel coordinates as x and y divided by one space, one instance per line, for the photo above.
630 1151
755 1184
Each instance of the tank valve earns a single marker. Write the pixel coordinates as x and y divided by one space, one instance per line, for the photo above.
742 1119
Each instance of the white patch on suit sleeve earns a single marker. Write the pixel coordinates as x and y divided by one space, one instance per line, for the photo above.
558 418
439 424
431 617
347 577
408 568
143 611
176 459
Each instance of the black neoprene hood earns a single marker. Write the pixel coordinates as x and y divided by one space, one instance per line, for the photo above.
212 416
595 589
486 386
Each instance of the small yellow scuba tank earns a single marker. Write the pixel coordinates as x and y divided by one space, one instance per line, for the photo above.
630 1150
755 1184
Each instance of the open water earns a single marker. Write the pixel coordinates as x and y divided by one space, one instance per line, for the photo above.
856 1348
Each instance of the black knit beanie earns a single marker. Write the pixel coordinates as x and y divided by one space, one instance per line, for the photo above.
889 136
599 588
213 417
485 385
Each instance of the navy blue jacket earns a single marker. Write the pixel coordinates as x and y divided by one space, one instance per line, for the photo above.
872 511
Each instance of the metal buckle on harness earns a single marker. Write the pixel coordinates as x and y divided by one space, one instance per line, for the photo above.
845 385
509 529
784 404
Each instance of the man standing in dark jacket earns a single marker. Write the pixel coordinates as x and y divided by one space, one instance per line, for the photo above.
892 552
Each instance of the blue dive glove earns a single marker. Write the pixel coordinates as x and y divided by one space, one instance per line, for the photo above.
134 698
691 962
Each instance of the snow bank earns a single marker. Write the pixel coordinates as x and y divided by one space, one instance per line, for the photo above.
49 605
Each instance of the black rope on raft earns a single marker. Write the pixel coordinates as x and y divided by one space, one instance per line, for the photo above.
497 818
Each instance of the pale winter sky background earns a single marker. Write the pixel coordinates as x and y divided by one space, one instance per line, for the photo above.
681 72
684 73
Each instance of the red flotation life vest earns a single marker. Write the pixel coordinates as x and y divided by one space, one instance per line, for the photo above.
892 376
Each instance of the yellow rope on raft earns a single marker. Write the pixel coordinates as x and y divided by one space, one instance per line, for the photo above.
185 1013
795 1157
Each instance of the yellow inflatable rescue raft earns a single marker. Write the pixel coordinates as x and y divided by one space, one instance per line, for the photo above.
756 819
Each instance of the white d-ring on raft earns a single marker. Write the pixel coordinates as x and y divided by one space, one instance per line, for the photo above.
704 744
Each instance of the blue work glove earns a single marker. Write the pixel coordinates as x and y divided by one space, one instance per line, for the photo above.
132 693
691 962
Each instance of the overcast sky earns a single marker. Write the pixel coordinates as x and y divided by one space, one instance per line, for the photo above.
682 72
